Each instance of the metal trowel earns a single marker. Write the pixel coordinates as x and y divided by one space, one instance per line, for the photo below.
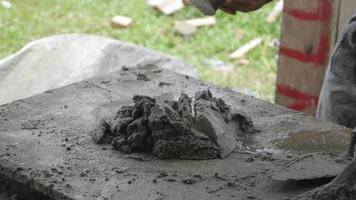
207 7
310 168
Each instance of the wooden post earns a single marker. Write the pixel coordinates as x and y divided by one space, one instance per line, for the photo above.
306 41
347 7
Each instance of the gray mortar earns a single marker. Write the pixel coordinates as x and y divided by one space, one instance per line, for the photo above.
59 159
170 129
342 187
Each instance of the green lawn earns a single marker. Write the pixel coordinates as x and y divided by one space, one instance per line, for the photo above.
29 20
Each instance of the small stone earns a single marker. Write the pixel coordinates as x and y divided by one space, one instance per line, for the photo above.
170 180
162 175
198 176
157 71
142 77
163 84
231 184
250 159
19 169
83 174
189 181
124 68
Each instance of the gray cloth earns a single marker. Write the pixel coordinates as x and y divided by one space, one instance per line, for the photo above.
60 60
338 96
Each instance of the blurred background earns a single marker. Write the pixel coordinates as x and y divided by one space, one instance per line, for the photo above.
23 21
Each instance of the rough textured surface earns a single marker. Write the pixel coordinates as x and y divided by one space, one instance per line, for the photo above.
44 137
60 60
168 129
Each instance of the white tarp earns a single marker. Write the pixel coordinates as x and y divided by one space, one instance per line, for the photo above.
58 61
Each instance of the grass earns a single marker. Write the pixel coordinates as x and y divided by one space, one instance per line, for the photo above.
29 20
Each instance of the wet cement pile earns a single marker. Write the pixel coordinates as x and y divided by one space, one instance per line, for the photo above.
204 129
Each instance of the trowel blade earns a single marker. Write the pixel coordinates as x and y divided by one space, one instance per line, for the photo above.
311 168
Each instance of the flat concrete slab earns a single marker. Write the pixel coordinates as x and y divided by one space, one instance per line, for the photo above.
44 143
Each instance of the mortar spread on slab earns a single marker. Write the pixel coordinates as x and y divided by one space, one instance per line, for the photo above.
205 129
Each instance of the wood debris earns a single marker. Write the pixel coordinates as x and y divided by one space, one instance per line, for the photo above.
277 10
241 52
190 27
167 7
203 21
120 21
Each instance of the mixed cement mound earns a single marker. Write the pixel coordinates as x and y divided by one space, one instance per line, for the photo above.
204 129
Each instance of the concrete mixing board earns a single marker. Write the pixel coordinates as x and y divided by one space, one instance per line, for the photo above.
44 144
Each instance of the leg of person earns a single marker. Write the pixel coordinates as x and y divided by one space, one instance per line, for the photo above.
338 96
338 104
351 152
341 188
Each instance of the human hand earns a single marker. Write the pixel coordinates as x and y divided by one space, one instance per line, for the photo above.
232 6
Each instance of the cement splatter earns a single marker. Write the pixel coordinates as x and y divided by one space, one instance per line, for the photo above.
204 129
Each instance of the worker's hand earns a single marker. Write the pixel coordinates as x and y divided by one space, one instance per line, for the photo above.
232 6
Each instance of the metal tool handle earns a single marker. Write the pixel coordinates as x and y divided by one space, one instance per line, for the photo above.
207 7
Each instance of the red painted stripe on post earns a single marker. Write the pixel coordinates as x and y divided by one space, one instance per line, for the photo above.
295 94
323 13
320 57
298 106
303 100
